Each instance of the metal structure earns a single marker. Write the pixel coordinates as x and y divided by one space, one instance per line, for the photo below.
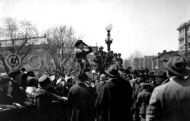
109 40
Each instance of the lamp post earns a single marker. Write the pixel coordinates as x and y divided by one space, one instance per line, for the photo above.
108 40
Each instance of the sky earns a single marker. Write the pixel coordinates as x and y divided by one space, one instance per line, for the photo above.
147 26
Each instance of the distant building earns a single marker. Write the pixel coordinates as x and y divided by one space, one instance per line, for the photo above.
149 62
184 38
163 56
146 62
138 63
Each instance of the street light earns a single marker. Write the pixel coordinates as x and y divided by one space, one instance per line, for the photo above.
109 39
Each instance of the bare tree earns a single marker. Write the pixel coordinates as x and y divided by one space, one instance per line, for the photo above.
60 41
16 39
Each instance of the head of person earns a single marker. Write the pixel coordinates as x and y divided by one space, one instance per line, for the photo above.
128 77
140 79
113 71
23 70
134 74
160 76
44 82
69 81
16 75
101 48
4 81
79 44
83 77
28 79
102 77
151 78
119 55
176 66
145 86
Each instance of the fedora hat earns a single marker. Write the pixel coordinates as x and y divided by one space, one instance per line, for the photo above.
14 73
112 71
177 65
44 80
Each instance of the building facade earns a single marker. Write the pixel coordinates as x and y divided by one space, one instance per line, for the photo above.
39 59
146 62
184 38
163 56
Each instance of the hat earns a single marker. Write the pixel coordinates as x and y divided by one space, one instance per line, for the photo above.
31 81
112 71
83 77
59 80
101 48
78 42
14 73
145 85
31 74
52 77
4 79
177 65
68 78
4 74
44 80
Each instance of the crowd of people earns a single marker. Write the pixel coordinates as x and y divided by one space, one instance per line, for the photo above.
113 94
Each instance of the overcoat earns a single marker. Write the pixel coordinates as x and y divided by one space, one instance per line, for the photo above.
114 101
81 100
170 101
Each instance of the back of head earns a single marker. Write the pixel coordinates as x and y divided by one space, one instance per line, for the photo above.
176 65
113 71
44 81
14 73
4 80
31 74
83 77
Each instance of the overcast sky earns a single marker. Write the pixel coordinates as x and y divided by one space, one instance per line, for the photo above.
148 26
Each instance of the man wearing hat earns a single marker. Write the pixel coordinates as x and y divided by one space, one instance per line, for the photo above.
143 100
171 101
48 109
5 98
114 99
81 99
16 90
80 55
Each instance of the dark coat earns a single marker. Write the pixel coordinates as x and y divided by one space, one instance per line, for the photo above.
81 100
49 108
4 99
80 57
143 101
114 101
